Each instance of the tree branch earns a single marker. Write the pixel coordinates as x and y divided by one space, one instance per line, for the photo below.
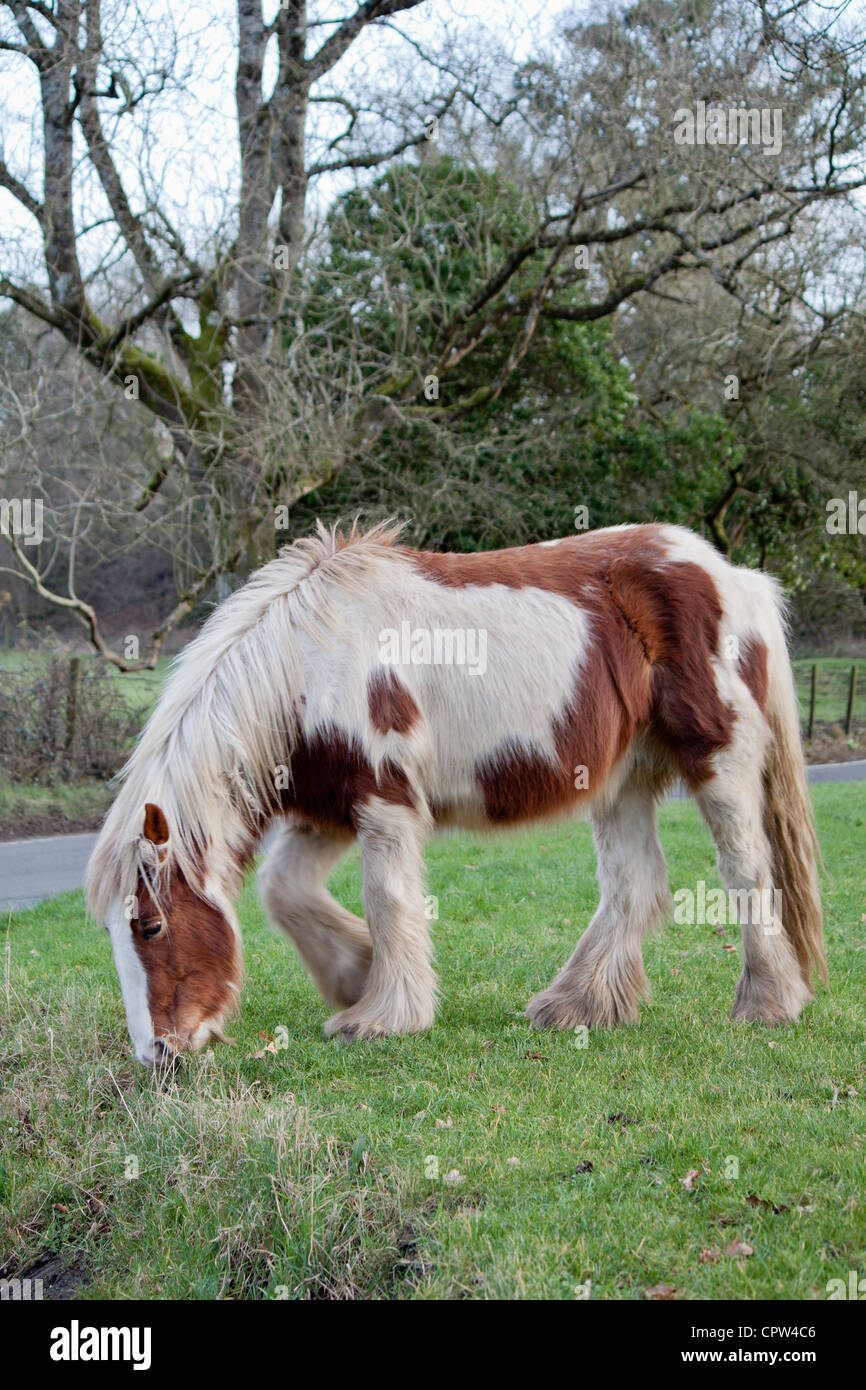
370 161
18 191
86 614
334 47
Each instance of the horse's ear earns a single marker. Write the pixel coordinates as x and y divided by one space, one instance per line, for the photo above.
155 824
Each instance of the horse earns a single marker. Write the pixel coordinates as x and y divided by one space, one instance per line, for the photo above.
357 690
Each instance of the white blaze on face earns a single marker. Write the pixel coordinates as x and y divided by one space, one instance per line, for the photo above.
133 986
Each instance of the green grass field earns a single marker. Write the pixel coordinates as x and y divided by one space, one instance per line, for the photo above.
58 806
482 1160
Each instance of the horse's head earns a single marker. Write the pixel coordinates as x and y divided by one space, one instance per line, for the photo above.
177 953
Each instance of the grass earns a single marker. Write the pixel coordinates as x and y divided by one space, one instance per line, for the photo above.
482 1160
22 805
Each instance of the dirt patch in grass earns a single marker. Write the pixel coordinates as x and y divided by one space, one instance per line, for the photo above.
60 1278
412 1266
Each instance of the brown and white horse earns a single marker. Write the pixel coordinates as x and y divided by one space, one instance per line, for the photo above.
354 689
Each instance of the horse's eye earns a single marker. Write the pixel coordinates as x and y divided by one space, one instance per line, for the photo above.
152 926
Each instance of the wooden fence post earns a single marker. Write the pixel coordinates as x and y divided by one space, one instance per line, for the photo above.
852 691
813 685
72 690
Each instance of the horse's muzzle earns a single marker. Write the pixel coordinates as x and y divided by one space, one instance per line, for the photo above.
160 1053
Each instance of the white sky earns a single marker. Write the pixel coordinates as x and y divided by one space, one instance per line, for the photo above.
189 160
181 153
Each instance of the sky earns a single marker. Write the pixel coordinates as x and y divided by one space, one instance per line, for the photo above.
180 151
188 148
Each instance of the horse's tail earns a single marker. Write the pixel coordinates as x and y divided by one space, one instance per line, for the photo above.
788 816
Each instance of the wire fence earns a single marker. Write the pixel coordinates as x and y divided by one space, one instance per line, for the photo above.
832 695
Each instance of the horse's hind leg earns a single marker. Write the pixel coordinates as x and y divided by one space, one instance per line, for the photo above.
771 988
334 944
400 992
604 980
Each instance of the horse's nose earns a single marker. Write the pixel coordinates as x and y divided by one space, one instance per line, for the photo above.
163 1052
159 1054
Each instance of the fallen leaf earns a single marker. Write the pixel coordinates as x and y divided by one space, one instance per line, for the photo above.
443 1124
584 1166
765 1205
690 1178
709 1257
739 1249
660 1291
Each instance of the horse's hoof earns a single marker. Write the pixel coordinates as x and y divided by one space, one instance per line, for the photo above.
353 1026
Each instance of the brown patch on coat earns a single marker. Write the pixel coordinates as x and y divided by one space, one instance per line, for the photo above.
331 778
654 627
191 965
677 611
752 666
592 732
392 709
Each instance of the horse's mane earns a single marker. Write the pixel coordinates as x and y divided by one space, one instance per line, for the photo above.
226 717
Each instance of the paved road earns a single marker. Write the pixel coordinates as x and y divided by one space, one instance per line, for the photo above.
837 772
31 870
821 772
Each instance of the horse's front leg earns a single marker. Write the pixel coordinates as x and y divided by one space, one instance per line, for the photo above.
400 992
334 944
